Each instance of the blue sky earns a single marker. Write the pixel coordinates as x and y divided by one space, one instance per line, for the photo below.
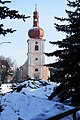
17 50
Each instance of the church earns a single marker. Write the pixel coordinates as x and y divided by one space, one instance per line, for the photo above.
34 66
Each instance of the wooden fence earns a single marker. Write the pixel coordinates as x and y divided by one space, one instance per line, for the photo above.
65 114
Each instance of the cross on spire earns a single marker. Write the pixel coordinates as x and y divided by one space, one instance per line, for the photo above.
35 7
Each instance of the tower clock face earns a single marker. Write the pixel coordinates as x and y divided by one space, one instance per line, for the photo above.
36 59
36 19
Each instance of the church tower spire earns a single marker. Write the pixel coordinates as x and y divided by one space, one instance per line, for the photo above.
36 58
35 17
36 32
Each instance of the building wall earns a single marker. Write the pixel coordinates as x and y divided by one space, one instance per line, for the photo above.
36 58
46 73
28 68
23 73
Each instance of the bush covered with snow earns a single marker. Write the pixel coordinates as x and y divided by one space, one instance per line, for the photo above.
29 101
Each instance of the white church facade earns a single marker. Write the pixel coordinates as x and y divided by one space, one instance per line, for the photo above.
34 67
36 58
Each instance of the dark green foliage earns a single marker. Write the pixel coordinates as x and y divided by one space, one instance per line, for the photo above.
11 14
19 88
1 108
20 118
3 74
68 64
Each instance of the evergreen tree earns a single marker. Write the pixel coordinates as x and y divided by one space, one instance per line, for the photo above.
5 12
68 64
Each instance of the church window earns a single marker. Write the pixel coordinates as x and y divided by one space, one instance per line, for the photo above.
36 47
36 42
36 69
36 59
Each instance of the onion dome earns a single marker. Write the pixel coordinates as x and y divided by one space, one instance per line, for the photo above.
36 32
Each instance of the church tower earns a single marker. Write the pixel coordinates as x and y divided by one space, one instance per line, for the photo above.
36 57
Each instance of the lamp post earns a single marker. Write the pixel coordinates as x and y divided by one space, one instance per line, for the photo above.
4 42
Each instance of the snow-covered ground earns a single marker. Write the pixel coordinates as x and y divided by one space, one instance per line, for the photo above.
29 101
6 88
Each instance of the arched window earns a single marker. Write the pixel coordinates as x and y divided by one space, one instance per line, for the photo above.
36 70
36 47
